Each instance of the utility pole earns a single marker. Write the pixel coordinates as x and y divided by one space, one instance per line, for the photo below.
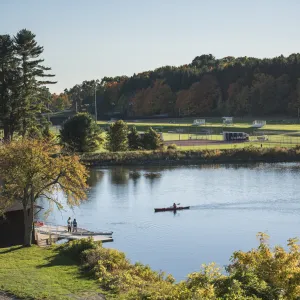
96 102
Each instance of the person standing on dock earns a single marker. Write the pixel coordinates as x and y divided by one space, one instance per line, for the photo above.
69 224
74 225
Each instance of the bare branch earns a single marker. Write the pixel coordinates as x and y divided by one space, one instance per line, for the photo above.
48 185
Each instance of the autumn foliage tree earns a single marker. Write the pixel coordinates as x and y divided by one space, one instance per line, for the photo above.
157 99
31 169
262 273
207 86
59 102
201 98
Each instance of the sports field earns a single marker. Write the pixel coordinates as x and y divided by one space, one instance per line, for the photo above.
182 132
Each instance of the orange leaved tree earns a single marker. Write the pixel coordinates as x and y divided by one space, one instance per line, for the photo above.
30 169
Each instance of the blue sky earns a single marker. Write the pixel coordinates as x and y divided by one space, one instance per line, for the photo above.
90 39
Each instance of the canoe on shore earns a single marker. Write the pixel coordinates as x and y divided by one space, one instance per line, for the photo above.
171 208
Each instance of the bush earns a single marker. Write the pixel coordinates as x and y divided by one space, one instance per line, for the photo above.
116 274
261 273
34 133
81 133
117 139
134 139
151 140
74 249
172 147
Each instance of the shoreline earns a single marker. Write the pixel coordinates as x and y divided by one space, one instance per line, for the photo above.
192 157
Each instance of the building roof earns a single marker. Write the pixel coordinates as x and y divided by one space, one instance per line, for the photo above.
18 206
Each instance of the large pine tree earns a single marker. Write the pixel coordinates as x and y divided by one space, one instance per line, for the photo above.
9 85
32 75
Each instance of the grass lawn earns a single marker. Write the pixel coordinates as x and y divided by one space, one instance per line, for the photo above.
41 273
234 146
216 127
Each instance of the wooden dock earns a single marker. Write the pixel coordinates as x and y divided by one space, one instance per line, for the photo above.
47 234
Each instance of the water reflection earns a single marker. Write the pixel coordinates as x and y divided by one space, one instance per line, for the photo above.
95 177
119 175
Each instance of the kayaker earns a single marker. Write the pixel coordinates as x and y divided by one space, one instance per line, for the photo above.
174 205
69 224
74 225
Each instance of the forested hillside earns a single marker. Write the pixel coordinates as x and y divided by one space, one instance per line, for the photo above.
243 86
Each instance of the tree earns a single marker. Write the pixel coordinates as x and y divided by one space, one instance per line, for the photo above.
294 103
152 140
31 169
9 85
32 71
134 139
268 273
117 139
237 102
80 133
59 102
206 86
261 273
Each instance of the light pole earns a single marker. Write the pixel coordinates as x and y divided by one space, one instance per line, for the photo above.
96 102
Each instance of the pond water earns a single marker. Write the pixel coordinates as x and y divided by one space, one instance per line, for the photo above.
229 205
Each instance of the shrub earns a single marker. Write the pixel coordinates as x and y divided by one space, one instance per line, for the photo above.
116 274
117 139
134 139
80 133
172 147
261 273
151 140
74 249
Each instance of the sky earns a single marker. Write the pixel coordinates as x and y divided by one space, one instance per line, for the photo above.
90 39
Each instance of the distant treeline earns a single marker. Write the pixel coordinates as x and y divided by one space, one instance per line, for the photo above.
243 86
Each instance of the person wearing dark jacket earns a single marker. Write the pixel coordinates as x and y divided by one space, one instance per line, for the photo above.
74 225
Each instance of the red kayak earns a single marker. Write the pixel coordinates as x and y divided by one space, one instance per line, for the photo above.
171 208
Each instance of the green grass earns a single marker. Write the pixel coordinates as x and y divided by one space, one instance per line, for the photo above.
281 132
215 126
235 146
41 273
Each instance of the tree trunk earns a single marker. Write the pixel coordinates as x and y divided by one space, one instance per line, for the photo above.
7 135
28 225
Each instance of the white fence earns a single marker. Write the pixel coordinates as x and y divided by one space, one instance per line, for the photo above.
258 123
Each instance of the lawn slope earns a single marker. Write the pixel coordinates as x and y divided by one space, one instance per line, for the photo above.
41 273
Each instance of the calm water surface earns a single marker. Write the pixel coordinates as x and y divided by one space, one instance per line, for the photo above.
229 205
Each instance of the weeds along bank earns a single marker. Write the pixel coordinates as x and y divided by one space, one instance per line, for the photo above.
181 157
